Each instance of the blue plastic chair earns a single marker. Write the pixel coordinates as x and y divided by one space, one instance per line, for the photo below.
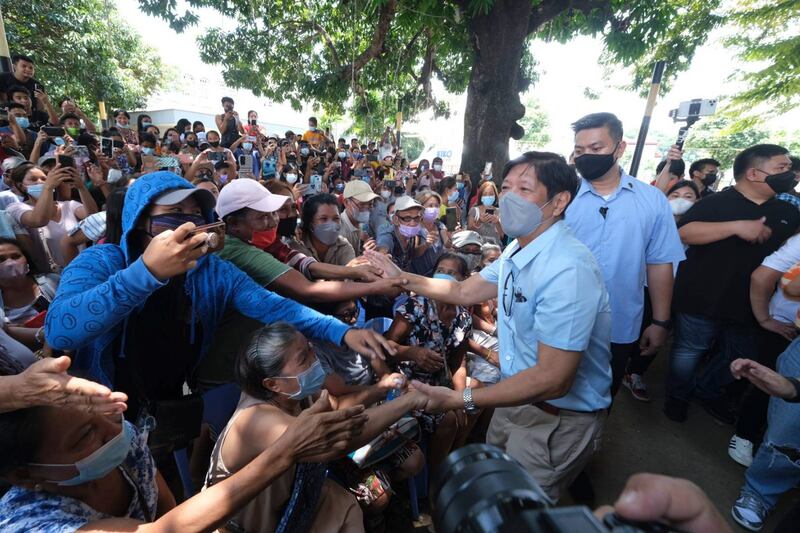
219 404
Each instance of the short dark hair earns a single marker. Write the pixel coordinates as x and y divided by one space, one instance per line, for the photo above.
684 183
795 163
19 172
227 99
313 119
21 436
552 171
676 167
14 105
599 120
238 214
198 123
700 163
67 116
312 205
147 138
123 113
753 156
215 132
28 258
20 57
87 139
17 89
446 183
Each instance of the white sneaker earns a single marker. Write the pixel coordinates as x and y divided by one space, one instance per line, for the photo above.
741 451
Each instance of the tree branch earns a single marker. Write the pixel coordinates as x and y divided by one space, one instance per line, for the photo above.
376 44
328 41
550 9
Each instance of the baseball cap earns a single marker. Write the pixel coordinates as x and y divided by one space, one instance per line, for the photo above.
10 163
359 190
463 238
406 202
242 193
176 196
46 158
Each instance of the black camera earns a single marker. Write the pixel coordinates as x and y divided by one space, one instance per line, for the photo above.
480 489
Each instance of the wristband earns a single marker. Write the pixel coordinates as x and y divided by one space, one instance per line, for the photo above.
796 383
666 324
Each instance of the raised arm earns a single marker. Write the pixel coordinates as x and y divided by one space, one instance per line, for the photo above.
473 290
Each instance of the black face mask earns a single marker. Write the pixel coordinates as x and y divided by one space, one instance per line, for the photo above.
709 179
214 144
193 144
783 182
594 166
287 227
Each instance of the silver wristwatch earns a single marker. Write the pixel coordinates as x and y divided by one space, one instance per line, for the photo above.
469 406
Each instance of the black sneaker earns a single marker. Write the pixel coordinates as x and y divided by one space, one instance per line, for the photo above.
675 409
720 410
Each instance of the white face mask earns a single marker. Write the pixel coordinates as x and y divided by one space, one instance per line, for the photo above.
291 179
680 206
437 167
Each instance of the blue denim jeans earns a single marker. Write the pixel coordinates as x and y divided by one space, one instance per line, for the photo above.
776 466
694 335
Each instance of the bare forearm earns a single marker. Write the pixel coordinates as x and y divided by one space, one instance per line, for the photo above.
662 181
361 396
212 507
88 201
524 388
759 300
707 232
382 416
659 284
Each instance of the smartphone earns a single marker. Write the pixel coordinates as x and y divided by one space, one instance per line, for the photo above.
450 219
216 235
490 210
53 131
81 152
390 184
245 163
216 156
250 138
315 184
66 160
372 158
487 169
253 122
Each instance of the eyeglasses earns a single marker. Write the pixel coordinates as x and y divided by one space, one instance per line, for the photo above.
348 316
409 219
361 206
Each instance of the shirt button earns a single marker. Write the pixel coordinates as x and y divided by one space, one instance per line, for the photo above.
508 358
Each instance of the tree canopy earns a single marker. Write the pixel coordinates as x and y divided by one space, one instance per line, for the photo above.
84 50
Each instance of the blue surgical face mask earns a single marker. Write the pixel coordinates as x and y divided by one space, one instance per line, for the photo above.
518 216
459 185
146 124
488 201
304 151
310 381
247 146
362 216
148 151
101 462
442 275
23 122
453 197
34 191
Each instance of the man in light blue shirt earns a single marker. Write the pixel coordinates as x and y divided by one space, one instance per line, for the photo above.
629 227
554 325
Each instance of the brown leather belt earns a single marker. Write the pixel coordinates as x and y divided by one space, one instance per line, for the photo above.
555 411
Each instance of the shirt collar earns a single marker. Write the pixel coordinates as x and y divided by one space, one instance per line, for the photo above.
626 182
522 256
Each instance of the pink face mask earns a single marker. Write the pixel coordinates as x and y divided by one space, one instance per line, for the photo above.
13 268
409 231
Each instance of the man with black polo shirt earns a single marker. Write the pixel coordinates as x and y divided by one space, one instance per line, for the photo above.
729 234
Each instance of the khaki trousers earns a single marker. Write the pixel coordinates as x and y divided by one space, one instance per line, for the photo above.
554 449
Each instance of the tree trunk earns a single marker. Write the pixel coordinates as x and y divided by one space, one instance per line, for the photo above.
493 104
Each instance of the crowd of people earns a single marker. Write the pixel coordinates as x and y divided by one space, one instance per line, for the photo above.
297 328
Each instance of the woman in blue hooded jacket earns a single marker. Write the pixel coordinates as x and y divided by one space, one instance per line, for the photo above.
141 315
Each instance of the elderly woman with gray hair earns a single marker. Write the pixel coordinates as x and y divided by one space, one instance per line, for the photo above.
279 374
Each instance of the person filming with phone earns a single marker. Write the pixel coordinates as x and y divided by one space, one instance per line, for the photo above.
228 123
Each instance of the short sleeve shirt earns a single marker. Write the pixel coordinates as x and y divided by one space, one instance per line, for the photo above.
627 231
256 263
552 291
782 308
26 511
714 280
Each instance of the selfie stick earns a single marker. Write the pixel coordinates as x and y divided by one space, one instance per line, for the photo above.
658 72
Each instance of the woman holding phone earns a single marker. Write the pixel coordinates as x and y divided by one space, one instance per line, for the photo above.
47 220
485 216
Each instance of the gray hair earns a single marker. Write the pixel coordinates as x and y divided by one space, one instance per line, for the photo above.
489 247
263 357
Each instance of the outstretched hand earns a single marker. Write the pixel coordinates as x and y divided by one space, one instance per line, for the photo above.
369 343
384 263
46 382
764 378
